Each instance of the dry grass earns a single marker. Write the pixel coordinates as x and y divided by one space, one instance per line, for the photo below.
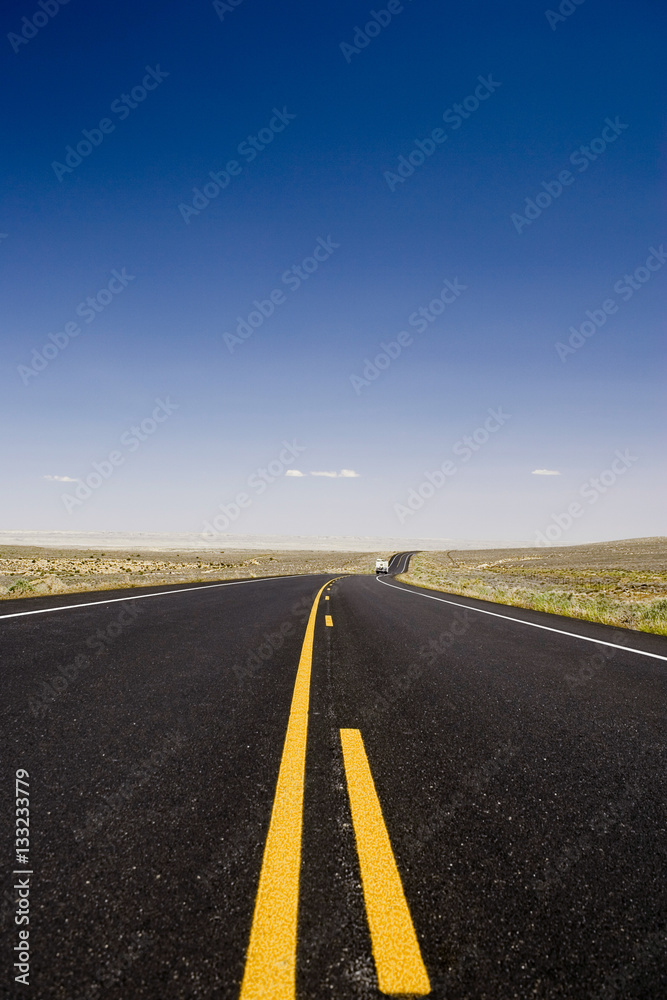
617 583
30 571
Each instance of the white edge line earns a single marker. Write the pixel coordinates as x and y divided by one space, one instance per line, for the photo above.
547 628
140 597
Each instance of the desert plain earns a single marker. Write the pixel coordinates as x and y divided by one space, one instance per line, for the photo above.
622 583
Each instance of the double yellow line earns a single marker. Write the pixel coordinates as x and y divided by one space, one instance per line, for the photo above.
270 971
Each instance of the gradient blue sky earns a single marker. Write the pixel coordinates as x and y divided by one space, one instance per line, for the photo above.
323 176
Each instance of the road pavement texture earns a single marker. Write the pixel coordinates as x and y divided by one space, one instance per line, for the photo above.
296 788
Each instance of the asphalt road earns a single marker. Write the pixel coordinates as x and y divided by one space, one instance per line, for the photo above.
519 771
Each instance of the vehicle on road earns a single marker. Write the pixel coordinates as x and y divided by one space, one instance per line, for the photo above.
381 566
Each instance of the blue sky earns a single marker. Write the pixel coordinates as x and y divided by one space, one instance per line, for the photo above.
340 122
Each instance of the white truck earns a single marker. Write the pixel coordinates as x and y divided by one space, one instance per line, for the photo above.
381 566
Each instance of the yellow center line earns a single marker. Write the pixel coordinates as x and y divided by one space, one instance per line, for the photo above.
398 960
328 620
270 971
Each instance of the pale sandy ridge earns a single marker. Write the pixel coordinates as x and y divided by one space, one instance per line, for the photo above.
192 541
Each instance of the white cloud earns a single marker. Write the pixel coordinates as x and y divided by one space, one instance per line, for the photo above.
343 474
61 479
545 472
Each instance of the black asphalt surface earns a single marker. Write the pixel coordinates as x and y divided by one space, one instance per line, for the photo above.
520 772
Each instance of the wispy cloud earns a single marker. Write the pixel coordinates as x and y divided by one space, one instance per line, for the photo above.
545 472
343 474
61 479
